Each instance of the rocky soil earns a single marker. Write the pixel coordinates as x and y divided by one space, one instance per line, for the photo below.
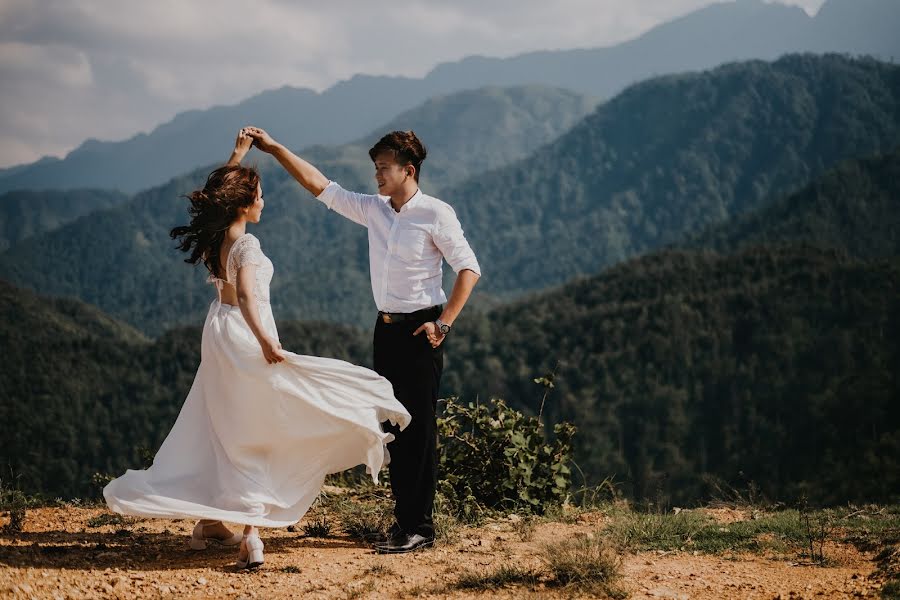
62 552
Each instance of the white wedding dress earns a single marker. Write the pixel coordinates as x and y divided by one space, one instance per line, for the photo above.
253 441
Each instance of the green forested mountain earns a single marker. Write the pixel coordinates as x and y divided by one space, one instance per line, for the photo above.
83 393
123 261
665 158
27 213
776 366
681 369
671 156
854 207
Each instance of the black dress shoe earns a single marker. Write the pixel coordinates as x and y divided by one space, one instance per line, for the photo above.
405 543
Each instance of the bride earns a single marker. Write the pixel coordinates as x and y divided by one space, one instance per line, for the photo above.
261 427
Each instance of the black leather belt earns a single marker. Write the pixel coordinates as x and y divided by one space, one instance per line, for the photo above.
413 316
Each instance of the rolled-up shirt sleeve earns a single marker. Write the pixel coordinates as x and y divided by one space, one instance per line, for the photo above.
449 239
353 205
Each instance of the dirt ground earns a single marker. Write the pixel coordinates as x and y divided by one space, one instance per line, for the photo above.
59 555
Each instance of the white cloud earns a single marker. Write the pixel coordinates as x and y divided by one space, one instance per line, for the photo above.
108 69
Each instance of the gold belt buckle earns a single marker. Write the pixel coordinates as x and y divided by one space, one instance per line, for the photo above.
386 317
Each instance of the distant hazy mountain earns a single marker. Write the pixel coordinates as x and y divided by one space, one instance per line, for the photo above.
27 213
713 35
854 207
123 260
465 133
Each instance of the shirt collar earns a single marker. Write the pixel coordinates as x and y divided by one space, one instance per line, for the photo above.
416 198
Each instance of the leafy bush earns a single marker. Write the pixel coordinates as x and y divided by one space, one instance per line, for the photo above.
494 456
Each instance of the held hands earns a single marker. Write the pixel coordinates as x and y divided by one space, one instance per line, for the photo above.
261 139
272 350
435 337
242 143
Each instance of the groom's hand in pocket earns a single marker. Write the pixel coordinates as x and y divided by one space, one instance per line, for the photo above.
434 335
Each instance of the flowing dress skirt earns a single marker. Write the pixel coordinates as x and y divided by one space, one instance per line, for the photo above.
253 441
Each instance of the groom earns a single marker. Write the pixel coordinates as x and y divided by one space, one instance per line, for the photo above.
410 233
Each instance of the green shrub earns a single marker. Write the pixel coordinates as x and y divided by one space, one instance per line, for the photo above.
496 457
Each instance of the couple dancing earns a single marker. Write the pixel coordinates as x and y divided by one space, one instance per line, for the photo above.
261 427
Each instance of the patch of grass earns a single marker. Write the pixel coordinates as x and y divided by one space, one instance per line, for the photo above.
524 527
358 590
290 569
642 531
362 518
891 590
379 571
805 532
13 504
585 562
108 519
503 576
317 524
318 527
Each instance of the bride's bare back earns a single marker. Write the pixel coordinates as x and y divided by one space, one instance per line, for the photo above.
228 290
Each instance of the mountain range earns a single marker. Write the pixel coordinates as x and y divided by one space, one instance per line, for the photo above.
767 361
123 256
719 33
664 159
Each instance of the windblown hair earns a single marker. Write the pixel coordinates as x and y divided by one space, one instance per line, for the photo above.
212 210
406 148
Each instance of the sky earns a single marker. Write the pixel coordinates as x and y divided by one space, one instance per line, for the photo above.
109 69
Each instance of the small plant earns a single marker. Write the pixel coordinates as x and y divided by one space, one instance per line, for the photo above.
817 530
379 571
108 519
503 576
358 590
290 569
585 562
14 504
99 481
317 524
364 518
547 382
524 527
495 457
318 527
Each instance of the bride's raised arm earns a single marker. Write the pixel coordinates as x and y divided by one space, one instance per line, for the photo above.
241 148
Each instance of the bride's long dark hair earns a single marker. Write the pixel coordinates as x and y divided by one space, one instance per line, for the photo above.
212 210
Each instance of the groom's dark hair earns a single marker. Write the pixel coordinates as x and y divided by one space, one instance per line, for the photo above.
406 148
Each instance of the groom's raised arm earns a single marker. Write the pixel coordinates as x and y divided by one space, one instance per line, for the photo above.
349 204
306 174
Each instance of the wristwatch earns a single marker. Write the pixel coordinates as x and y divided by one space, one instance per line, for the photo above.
445 329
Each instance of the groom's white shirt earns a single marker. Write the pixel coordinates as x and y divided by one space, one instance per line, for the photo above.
406 248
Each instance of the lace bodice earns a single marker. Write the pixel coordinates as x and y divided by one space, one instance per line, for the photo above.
246 251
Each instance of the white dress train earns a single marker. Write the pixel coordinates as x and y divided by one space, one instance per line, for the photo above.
253 441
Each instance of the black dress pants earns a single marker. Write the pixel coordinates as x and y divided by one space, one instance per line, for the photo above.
414 369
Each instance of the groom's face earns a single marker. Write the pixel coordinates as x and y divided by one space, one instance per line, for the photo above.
390 175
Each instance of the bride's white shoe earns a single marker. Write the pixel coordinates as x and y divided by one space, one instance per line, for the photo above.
251 551
198 540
